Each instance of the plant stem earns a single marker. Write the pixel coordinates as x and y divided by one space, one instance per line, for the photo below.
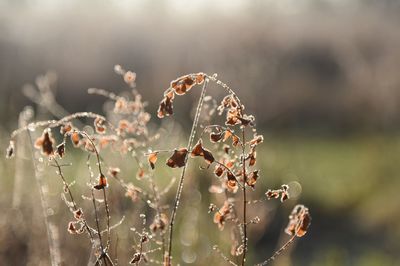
52 234
244 199
75 207
180 186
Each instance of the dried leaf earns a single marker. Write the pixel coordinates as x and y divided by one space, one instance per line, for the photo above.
65 128
102 182
252 156
228 133
165 108
136 258
216 136
252 178
299 221
75 138
222 215
140 173
78 214
10 150
100 125
257 139
160 223
226 148
231 183
235 140
283 193
45 143
199 150
61 149
71 228
152 158
183 84
114 171
132 192
178 158
219 170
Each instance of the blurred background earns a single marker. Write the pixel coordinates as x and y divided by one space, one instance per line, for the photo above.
321 77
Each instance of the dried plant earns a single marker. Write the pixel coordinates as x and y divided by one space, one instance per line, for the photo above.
228 148
235 166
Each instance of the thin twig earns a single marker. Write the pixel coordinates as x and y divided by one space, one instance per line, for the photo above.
96 216
75 207
52 239
104 190
244 200
278 252
180 186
